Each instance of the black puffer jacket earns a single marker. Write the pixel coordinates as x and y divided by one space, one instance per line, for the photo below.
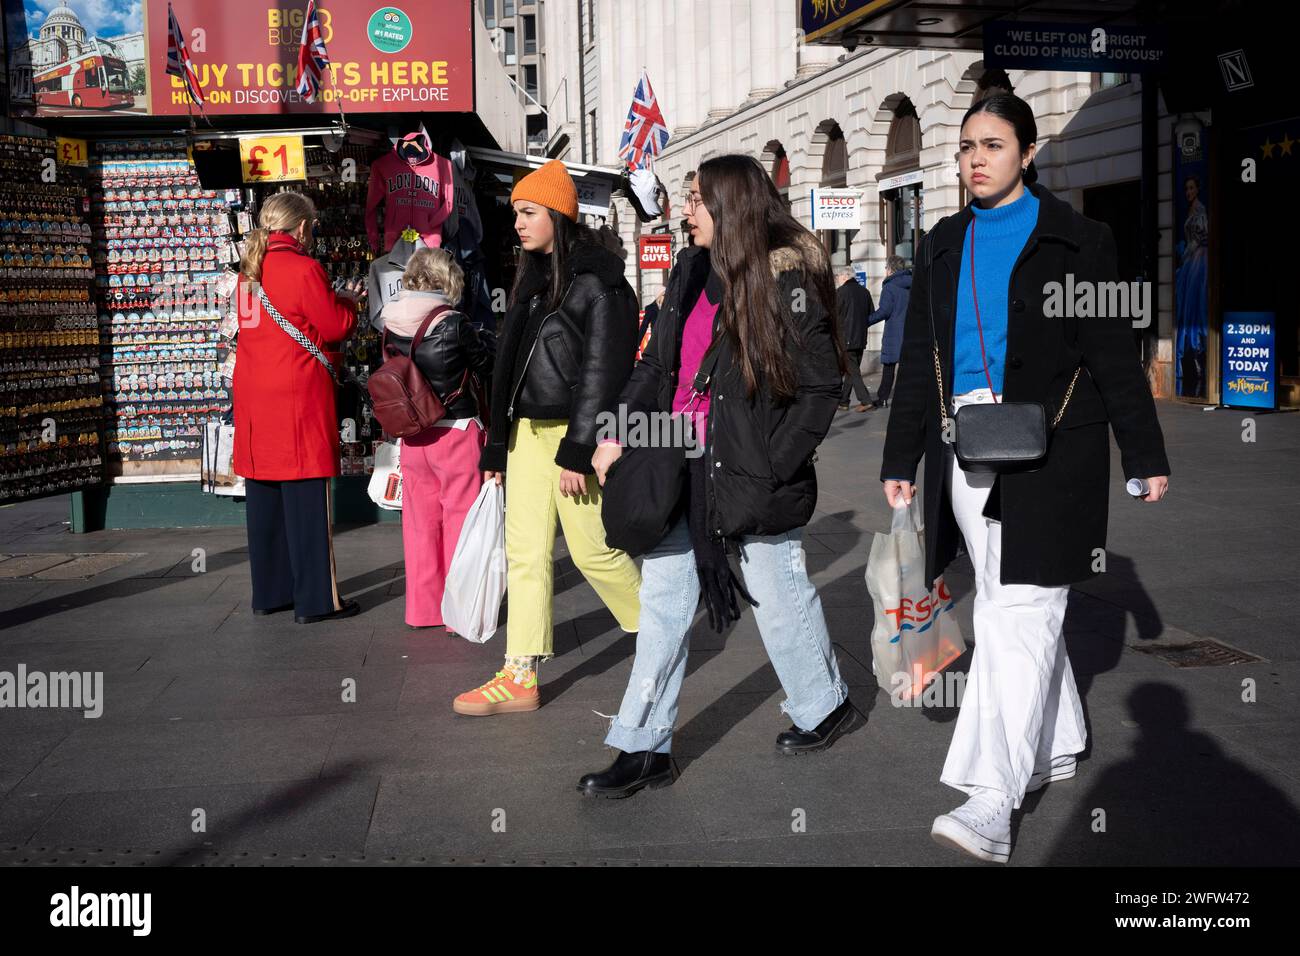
760 452
450 346
568 363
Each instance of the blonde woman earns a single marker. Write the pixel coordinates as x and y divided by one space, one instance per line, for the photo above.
440 476
286 424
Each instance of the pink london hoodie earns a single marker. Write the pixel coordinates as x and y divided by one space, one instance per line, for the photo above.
419 196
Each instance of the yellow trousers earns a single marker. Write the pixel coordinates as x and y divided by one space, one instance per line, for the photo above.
533 506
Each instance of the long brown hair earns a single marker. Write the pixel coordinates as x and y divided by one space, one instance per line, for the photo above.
749 221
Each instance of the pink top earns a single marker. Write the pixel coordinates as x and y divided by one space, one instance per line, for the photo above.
696 338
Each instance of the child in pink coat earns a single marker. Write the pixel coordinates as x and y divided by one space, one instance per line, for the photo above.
440 474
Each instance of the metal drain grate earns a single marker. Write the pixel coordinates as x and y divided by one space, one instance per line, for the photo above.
1197 654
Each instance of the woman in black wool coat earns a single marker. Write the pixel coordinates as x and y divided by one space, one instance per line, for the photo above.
982 283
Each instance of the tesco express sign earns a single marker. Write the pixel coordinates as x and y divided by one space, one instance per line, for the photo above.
836 209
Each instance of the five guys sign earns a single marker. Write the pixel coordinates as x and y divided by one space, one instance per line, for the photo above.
656 251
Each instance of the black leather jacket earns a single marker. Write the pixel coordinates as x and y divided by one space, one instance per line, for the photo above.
449 348
570 363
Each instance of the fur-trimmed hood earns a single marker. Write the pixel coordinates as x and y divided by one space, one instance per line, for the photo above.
806 255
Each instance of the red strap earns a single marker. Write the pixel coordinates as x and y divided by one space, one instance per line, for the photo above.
424 326
975 299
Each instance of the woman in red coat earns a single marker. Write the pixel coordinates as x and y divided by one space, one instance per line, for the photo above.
286 424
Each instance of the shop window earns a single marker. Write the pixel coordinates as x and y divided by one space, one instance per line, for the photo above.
902 222
901 208
839 246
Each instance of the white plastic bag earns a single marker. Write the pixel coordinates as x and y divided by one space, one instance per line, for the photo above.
217 469
385 487
476 580
915 634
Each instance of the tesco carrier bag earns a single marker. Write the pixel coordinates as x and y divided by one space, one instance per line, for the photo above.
915 635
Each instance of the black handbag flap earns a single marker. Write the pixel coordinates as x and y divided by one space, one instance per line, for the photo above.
1006 432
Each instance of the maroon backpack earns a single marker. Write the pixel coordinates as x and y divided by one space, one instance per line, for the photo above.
401 398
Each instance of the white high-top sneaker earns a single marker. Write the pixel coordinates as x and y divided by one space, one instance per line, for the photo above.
1061 768
981 826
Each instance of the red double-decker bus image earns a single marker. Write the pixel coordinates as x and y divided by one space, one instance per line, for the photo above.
92 81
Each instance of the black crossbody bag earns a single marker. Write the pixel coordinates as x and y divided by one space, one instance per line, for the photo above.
645 485
1002 436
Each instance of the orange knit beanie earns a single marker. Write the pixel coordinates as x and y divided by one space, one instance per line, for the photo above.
552 187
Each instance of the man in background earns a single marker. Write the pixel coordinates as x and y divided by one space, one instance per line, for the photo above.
894 295
855 307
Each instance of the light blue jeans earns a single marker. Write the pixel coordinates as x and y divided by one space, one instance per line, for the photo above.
790 621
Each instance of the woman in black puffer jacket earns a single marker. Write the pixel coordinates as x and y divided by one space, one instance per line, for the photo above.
756 287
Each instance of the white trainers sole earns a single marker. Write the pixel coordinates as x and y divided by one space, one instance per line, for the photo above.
1038 780
954 834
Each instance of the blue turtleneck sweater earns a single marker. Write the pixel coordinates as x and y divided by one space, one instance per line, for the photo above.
1000 235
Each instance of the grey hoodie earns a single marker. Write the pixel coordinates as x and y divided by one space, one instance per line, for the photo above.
385 278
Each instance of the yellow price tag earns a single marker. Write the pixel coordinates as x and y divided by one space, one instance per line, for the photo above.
272 159
71 152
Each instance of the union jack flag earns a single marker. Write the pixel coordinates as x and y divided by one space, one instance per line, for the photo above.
313 61
178 58
646 133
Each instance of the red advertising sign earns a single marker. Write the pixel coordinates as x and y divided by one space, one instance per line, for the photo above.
95 58
656 252
410 57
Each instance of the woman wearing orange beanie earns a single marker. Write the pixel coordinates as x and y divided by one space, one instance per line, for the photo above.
565 351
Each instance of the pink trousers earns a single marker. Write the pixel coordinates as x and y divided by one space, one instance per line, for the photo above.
440 481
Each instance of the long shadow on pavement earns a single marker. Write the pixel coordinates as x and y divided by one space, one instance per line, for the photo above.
1178 800
286 804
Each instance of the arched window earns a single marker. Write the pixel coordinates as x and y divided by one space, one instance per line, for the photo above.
777 163
835 161
900 206
835 171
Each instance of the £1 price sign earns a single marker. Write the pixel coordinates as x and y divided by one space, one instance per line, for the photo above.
272 159
70 152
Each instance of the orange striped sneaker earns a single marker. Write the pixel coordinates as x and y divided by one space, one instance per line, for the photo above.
501 695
